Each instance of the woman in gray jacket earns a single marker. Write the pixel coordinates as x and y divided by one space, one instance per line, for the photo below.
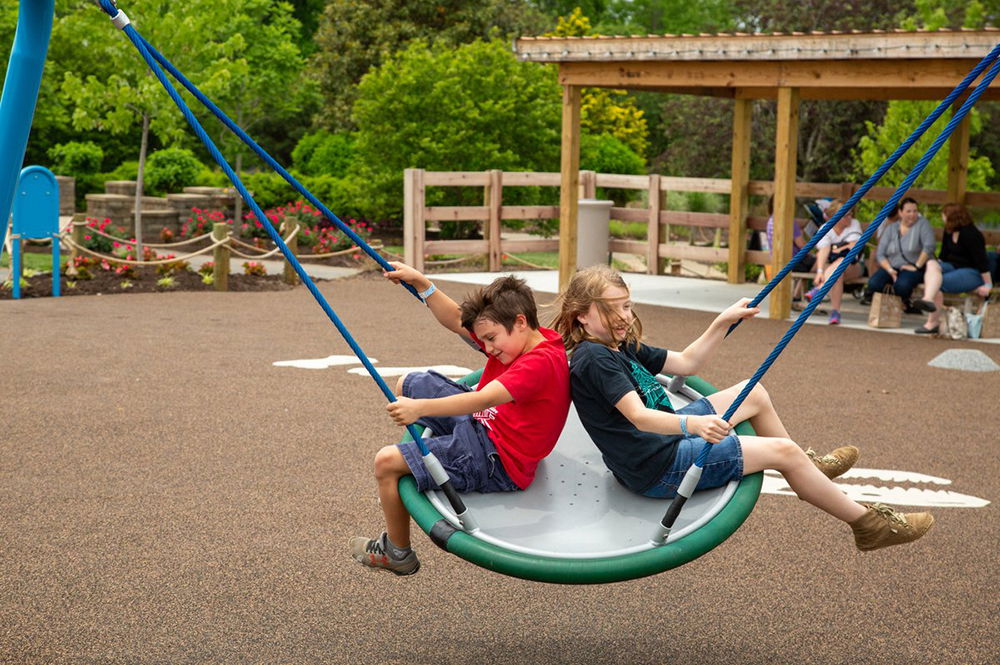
903 252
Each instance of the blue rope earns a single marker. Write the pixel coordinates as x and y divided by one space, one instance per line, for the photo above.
263 154
858 247
875 177
271 231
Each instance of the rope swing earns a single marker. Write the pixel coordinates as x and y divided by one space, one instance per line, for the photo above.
575 524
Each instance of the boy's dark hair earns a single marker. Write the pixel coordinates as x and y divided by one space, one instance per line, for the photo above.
501 302
908 199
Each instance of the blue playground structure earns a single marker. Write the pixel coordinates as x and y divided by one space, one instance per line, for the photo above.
36 217
20 93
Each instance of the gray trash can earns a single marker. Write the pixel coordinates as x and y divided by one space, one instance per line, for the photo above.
592 232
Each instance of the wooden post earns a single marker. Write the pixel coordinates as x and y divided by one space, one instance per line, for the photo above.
588 184
958 162
494 200
220 255
414 226
569 183
77 226
739 199
785 163
653 232
289 276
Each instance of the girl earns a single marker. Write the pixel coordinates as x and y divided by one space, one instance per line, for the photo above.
648 446
831 250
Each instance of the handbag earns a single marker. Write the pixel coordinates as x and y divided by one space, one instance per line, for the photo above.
886 310
953 324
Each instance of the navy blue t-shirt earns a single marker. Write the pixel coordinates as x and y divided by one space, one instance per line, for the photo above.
599 378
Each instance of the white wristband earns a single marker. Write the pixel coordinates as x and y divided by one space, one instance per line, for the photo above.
684 426
424 295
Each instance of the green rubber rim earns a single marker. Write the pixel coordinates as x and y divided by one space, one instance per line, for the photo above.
597 570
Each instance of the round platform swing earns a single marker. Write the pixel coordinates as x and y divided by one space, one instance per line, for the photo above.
576 524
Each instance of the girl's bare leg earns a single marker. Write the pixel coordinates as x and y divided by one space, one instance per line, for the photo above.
808 482
757 408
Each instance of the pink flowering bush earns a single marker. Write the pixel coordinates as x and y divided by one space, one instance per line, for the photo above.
254 268
98 243
315 231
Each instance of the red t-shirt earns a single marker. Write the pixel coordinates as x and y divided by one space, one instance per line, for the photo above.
526 430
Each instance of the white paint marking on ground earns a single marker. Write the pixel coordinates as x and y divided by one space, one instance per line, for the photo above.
893 495
321 363
447 370
967 360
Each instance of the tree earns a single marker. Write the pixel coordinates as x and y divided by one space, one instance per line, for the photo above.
437 107
241 51
901 119
602 111
355 36
692 136
256 74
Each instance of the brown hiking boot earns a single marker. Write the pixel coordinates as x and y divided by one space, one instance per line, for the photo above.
882 526
835 463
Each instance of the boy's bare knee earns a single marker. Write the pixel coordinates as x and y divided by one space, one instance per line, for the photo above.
389 462
399 383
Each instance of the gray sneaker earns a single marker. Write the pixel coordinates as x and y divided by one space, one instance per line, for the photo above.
375 554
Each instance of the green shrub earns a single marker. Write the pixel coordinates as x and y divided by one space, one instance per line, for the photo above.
606 154
170 170
76 158
323 153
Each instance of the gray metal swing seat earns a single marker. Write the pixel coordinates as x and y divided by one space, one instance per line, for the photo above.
576 524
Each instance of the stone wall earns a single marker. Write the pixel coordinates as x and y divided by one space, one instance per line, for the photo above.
169 212
67 195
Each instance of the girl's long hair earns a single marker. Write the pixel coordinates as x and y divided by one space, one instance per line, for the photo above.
587 287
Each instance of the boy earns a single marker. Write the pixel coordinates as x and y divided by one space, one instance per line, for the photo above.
489 439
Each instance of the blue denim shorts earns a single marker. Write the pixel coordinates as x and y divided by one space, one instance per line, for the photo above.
460 443
724 463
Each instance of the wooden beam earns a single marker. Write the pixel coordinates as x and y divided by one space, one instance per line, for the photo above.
569 184
743 49
958 161
739 199
785 163
858 75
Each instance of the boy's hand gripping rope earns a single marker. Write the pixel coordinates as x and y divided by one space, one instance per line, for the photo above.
434 467
693 475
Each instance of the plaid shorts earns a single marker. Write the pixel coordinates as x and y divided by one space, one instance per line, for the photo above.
461 444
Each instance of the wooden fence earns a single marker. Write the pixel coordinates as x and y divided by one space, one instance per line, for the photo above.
654 248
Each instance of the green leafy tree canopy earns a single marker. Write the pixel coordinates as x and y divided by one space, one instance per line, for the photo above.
438 107
355 36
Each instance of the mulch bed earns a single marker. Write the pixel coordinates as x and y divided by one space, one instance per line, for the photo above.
144 281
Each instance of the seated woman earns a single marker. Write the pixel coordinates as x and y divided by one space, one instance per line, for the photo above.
904 250
832 249
962 266
806 263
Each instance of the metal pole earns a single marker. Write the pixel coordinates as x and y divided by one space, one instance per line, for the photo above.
20 93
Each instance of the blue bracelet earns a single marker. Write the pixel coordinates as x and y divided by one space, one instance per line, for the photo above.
684 426
424 295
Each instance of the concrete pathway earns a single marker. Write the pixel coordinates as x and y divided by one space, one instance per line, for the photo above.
706 295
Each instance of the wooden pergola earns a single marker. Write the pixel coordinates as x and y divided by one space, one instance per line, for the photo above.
787 67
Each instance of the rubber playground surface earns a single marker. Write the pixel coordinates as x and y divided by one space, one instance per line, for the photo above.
170 495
